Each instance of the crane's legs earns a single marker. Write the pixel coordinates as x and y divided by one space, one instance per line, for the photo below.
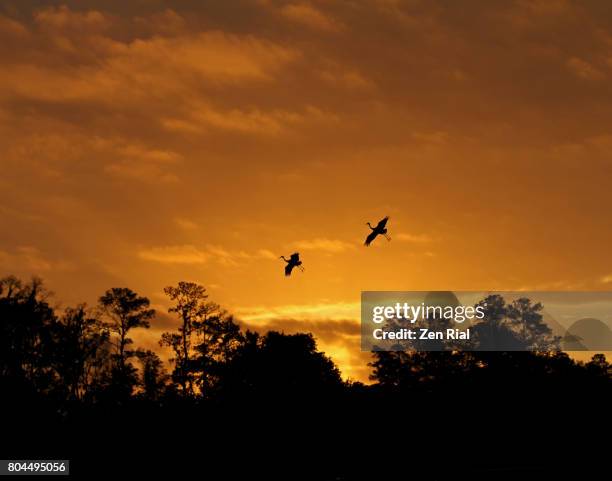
387 237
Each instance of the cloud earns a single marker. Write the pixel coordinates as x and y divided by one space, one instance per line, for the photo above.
310 16
266 254
190 254
185 224
226 257
331 246
186 254
204 118
60 154
583 69
301 312
606 279
136 161
135 152
327 330
31 259
545 7
213 55
348 79
417 238
558 285
248 122
63 18
12 28
168 22
432 138
141 172
85 66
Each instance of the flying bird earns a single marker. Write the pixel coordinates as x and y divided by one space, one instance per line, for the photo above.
380 229
293 261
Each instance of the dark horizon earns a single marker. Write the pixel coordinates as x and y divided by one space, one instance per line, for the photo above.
65 373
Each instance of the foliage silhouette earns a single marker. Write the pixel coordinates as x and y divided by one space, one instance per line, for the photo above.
154 378
513 327
124 311
82 352
73 377
207 335
277 366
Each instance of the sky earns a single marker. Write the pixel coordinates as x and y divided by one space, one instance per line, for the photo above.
147 142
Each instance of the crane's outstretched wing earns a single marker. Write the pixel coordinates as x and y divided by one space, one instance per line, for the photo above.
370 238
382 223
295 257
288 268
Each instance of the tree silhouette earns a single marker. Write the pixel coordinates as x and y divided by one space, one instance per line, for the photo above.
25 333
517 326
404 371
599 366
277 366
154 378
82 350
219 338
193 309
495 332
124 311
526 317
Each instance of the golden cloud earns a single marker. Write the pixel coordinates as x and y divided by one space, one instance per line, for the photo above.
186 254
332 246
190 254
31 258
417 238
300 312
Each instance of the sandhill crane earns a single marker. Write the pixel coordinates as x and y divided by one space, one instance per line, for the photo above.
293 261
379 229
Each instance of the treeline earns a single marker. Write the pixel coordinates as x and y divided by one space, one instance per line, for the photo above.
73 384
504 326
87 354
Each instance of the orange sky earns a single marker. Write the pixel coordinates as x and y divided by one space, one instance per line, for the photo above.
147 142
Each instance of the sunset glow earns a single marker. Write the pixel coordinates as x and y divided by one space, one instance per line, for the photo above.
141 145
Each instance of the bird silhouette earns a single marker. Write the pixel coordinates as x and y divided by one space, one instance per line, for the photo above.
293 261
380 229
